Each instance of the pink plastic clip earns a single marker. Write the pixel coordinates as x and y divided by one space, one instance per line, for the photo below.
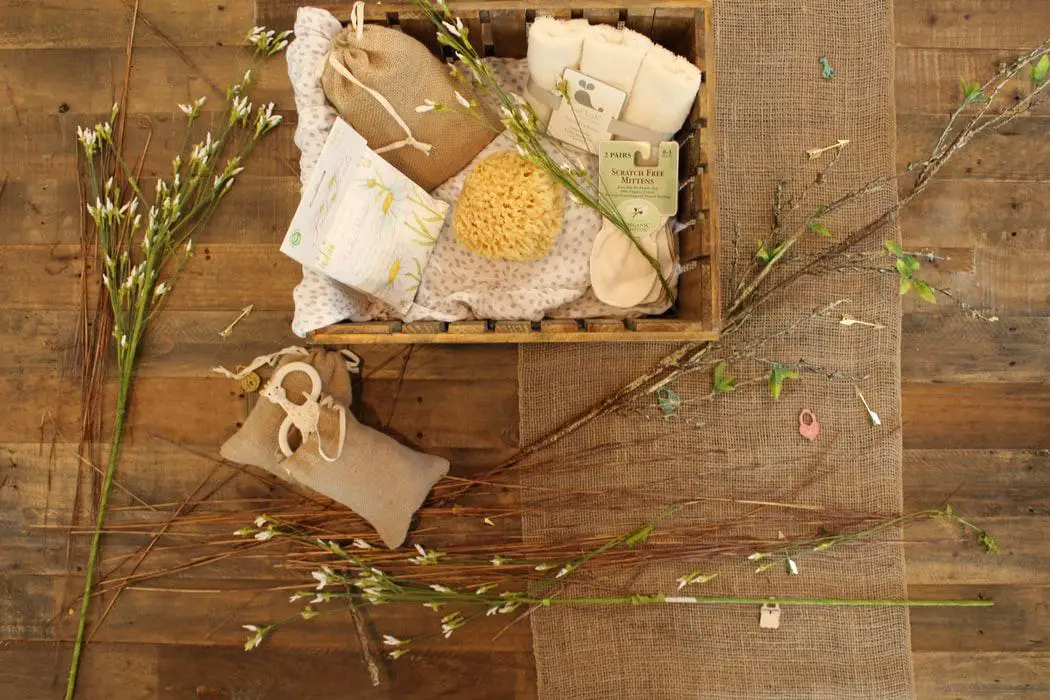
810 428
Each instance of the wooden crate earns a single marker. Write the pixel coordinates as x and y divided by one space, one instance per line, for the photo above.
499 29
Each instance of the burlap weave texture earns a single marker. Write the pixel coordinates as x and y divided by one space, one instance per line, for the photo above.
772 105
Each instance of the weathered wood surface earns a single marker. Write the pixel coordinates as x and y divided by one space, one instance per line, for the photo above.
976 397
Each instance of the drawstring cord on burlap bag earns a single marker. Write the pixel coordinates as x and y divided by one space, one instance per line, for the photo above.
303 417
357 22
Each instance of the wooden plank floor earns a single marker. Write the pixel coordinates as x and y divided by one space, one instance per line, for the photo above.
976 395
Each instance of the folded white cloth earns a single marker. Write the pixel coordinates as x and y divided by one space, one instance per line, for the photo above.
663 93
554 45
613 55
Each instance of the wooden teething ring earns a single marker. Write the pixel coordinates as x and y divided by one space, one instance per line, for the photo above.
303 416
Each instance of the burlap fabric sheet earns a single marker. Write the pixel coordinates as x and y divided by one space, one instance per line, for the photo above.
772 106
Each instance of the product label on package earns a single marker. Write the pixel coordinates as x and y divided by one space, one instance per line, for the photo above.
630 180
583 119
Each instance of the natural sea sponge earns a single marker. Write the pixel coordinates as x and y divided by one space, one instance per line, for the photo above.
509 209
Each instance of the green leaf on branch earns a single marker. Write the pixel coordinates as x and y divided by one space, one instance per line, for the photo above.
767 255
1040 71
819 228
777 376
987 542
668 401
723 382
971 91
924 291
639 536
826 71
907 265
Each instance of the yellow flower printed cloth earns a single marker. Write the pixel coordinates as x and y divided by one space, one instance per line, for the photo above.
363 223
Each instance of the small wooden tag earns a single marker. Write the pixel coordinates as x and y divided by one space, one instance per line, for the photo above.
770 617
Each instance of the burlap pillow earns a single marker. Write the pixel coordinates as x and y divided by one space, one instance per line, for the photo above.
404 72
375 476
256 442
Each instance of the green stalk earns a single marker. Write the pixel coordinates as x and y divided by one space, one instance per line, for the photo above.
416 596
96 538
734 600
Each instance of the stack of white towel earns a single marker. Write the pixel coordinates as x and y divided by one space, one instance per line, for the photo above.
661 88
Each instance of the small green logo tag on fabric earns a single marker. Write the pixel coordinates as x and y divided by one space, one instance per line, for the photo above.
628 172
297 237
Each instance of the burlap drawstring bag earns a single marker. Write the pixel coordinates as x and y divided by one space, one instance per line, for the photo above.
370 473
375 78
375 476
256 443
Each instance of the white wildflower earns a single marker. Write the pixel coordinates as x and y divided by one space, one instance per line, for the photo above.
756 556
361 544
450 623
463 101
454 29
261 520
564 571
243 532
792 567
259 633
392 641
397 653
498 560
441 589
322 577
427 106
264 535
482 590
162 288
544 566
436 607
426 558
298 595
696 577
186 109
493 609
88 140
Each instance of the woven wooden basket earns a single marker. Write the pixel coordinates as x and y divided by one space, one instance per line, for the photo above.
499 28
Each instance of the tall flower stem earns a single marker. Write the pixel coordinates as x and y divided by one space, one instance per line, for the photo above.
131 274
121 414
